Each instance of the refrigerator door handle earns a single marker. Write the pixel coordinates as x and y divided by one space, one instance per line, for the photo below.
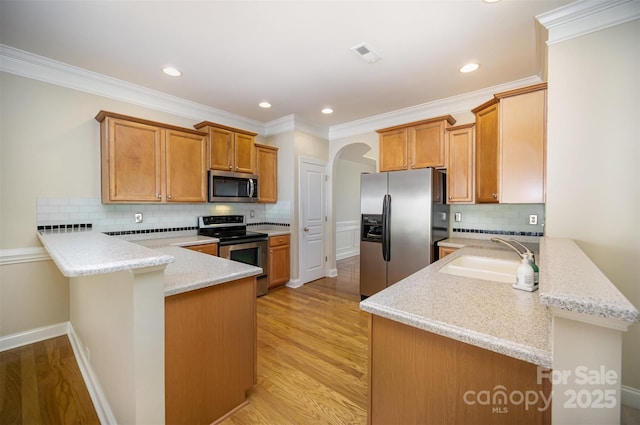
386 221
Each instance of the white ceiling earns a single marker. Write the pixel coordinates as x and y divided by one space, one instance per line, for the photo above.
295 54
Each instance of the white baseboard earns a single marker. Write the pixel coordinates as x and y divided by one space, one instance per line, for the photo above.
333 272
630 397
294 283
33 335
103 410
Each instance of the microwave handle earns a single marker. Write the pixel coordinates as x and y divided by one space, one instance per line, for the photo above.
251 188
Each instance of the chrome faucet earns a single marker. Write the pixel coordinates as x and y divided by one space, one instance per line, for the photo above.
520 254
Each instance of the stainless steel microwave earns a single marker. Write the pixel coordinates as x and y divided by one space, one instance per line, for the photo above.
226 186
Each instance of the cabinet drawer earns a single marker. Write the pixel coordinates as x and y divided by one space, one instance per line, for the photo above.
210 248
279 240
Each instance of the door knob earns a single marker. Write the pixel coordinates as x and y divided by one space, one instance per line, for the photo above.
306 229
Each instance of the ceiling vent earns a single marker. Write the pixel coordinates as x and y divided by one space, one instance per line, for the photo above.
366 53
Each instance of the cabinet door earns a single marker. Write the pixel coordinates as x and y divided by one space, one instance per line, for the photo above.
426 145
393 150
487 155
267 171
522 148
209 248
243 153
220 149
185 167
444 251
131 156
279 257
460 172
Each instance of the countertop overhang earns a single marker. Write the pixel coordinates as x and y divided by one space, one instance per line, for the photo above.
87 253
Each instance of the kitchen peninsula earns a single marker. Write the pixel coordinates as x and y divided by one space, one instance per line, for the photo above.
454 349
150 323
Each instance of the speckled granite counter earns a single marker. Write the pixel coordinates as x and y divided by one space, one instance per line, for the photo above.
193 270
271 230
490 315
495 316
570 281
92 253
87 253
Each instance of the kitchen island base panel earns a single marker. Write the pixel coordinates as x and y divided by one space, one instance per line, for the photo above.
210 351
418 377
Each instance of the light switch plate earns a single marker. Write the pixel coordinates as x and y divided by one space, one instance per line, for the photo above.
457 217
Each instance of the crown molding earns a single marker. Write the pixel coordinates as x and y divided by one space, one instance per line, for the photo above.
450 105
36 67
29 65
587 16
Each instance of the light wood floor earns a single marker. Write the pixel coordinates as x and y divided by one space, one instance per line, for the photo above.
312 364
41 384
312 354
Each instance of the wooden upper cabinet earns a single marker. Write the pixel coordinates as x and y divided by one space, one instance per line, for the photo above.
460 171
393 149
146 161
523 147
487 152
185 165
229 149
267 171
244 153
418 144
511 147
427 144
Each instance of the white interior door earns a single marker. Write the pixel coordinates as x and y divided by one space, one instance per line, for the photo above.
312 219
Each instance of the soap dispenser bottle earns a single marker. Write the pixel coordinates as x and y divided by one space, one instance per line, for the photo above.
532 263
524 274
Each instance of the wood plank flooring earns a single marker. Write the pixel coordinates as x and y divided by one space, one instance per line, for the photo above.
312 354
41 384
312 364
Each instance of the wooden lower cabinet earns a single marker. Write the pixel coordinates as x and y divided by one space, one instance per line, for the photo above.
443 251
279 260
210 351
417 377
209 248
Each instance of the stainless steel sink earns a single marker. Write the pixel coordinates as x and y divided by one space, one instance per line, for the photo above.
484 268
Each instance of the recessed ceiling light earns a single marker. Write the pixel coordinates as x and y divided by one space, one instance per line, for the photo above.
327 110
172 71
470 67
491 1
264 104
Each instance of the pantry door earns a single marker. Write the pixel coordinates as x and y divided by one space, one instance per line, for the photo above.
312 213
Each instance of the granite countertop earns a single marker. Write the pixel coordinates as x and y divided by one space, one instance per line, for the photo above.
495 316
85 253
570 281
271 230
490 315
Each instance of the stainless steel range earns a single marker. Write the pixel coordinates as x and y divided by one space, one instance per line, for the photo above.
238 244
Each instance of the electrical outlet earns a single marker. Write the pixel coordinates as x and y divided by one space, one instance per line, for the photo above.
533 219
138 217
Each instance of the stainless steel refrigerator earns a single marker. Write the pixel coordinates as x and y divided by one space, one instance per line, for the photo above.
403 215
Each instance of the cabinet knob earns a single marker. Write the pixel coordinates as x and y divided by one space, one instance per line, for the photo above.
168 196
449 196
158 195
495 195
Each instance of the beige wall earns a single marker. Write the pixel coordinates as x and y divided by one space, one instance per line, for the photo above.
593 165
32 295
49 147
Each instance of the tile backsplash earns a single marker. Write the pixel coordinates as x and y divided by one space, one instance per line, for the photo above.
120 217
488 220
